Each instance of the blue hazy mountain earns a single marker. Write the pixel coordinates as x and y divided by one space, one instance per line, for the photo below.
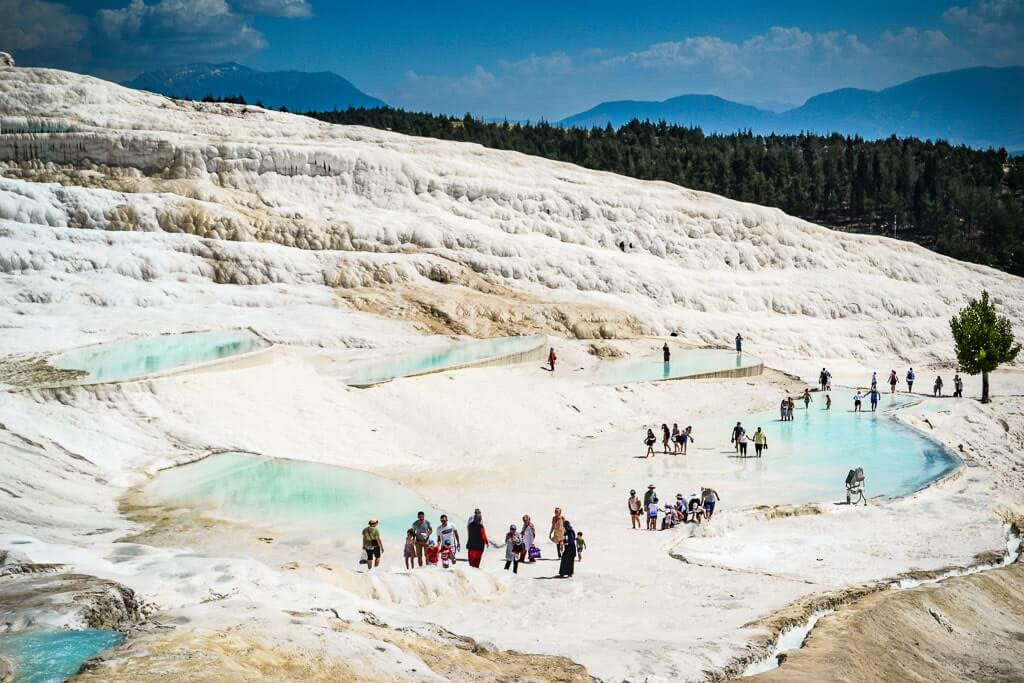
980 107
296 90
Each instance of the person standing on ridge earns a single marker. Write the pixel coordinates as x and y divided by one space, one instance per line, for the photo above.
910 381
424 529
823 379
476 539
892 381
552 357
739 343
448 534
372 544
937 389
666 353
557 533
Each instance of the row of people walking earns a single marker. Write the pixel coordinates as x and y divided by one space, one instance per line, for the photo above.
425 546
675 439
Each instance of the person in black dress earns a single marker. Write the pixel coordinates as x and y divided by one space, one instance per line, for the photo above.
565 569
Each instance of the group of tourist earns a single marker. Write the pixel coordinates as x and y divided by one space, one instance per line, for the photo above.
425 546
693 509
675 439
958 383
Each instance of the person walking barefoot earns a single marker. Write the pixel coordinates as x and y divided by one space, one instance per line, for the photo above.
373 545
892 382
635 508
529 538
650 440
513 549
665 438
552 357
557 533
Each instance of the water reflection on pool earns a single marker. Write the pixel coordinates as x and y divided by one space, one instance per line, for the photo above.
134 358
308 498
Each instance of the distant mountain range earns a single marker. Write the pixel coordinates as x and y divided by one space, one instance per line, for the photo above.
980 107
296 90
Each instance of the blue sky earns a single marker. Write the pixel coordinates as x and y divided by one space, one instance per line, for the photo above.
531 60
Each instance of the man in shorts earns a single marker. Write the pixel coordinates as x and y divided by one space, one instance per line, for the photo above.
447 534
372 545
635 508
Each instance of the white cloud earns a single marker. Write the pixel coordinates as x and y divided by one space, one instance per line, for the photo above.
554 64
291 9
478 81
174 31
35 24
910 39
988 19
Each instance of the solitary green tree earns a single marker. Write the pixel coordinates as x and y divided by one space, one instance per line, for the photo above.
983 339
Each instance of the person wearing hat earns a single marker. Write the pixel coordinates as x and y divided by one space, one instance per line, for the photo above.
635 508
372 544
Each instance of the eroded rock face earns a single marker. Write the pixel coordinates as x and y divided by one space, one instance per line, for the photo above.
44 595
6 60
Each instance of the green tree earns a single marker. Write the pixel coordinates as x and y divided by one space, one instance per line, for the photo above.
983 339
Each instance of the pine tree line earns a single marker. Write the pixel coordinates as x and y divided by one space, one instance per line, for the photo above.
958 201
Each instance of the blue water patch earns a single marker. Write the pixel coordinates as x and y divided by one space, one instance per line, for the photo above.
808 458
306 497
682 364
435 360
134 358
50 656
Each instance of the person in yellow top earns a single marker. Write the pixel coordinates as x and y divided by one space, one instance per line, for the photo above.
372 544
760 442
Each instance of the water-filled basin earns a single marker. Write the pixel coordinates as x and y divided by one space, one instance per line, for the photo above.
683 364
808 458
48 656
134 358
308 499
445 358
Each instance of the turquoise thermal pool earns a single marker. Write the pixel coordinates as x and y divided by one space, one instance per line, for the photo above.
445 358
134 358
808 458
50 656
308 498
683 364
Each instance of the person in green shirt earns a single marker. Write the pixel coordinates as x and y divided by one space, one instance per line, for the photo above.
372 544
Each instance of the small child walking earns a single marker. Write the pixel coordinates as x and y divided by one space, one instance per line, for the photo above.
581 545
409 553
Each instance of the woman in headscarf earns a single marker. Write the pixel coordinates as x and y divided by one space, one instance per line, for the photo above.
529 537
476 539
565 569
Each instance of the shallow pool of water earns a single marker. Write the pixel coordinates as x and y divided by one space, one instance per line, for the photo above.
134 358
438 359
808 458
46 656
683 364
307 498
